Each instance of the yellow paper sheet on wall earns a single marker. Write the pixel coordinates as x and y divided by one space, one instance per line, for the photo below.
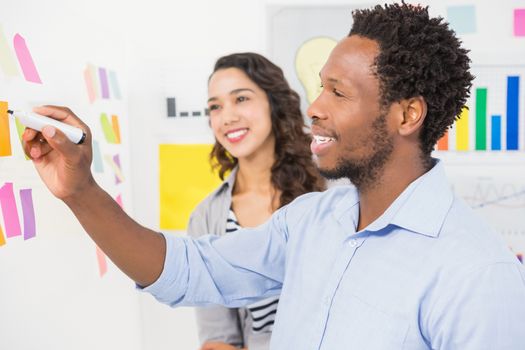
186 178
5 136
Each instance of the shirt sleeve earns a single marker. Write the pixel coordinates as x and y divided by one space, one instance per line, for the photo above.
215 323
485 310
233 270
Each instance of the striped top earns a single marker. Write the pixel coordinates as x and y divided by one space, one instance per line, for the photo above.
263 311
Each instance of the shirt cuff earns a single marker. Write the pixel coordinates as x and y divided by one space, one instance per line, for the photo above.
172 283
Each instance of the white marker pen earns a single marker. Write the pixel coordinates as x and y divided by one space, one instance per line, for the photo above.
37 122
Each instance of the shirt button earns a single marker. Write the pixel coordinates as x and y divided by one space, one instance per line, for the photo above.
352 243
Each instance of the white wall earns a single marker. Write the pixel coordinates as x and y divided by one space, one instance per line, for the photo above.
51 294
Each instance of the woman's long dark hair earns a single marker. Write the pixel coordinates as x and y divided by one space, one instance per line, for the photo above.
293 172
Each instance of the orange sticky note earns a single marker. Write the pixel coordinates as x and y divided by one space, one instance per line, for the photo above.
5 136
116 128
2 238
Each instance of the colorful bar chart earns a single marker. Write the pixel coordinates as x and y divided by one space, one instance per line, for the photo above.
494 116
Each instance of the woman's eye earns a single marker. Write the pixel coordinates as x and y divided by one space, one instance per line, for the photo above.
213 107
241 98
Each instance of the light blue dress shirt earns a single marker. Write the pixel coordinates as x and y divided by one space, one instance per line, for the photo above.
427 274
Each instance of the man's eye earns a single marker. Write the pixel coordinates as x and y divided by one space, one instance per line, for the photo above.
337 93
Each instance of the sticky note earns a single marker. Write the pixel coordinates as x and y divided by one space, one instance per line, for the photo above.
9 211
116 128
20 130
90 85
114 84
93 73
116 160
107 128
7 60
5 135
104 89
185 179
462 18
25 60
519 22
28 212
98 166
2 238
101 261
116 169
118 199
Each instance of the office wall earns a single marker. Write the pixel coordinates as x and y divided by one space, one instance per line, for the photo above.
57 291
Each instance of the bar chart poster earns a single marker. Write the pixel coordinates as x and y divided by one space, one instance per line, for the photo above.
493 119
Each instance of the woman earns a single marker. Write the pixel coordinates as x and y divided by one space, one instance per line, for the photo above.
261 143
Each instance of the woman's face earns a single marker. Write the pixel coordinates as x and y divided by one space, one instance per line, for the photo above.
239 114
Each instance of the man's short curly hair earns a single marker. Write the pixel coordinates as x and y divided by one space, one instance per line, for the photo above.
419 56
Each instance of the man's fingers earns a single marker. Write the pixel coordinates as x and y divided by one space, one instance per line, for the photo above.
63 114
29 134
59 142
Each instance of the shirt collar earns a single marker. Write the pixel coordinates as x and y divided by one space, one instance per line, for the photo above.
227 184
422 206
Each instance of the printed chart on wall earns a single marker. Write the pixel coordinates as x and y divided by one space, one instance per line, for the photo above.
484 153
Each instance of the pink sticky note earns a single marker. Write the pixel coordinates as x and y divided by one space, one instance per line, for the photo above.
119 201
29 213
8 204
89 85
25 60
102 263
116 159
519 22
103 82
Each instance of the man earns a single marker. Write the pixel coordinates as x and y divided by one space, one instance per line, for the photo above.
398 262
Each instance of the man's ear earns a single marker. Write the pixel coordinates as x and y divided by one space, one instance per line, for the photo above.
414 113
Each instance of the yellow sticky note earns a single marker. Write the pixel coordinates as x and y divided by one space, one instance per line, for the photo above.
20 128
7 59
186 178
5 136
109 134
116 128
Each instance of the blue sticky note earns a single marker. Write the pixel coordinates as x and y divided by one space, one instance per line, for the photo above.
98 167
462 18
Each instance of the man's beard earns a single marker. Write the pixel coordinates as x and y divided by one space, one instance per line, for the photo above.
364 173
